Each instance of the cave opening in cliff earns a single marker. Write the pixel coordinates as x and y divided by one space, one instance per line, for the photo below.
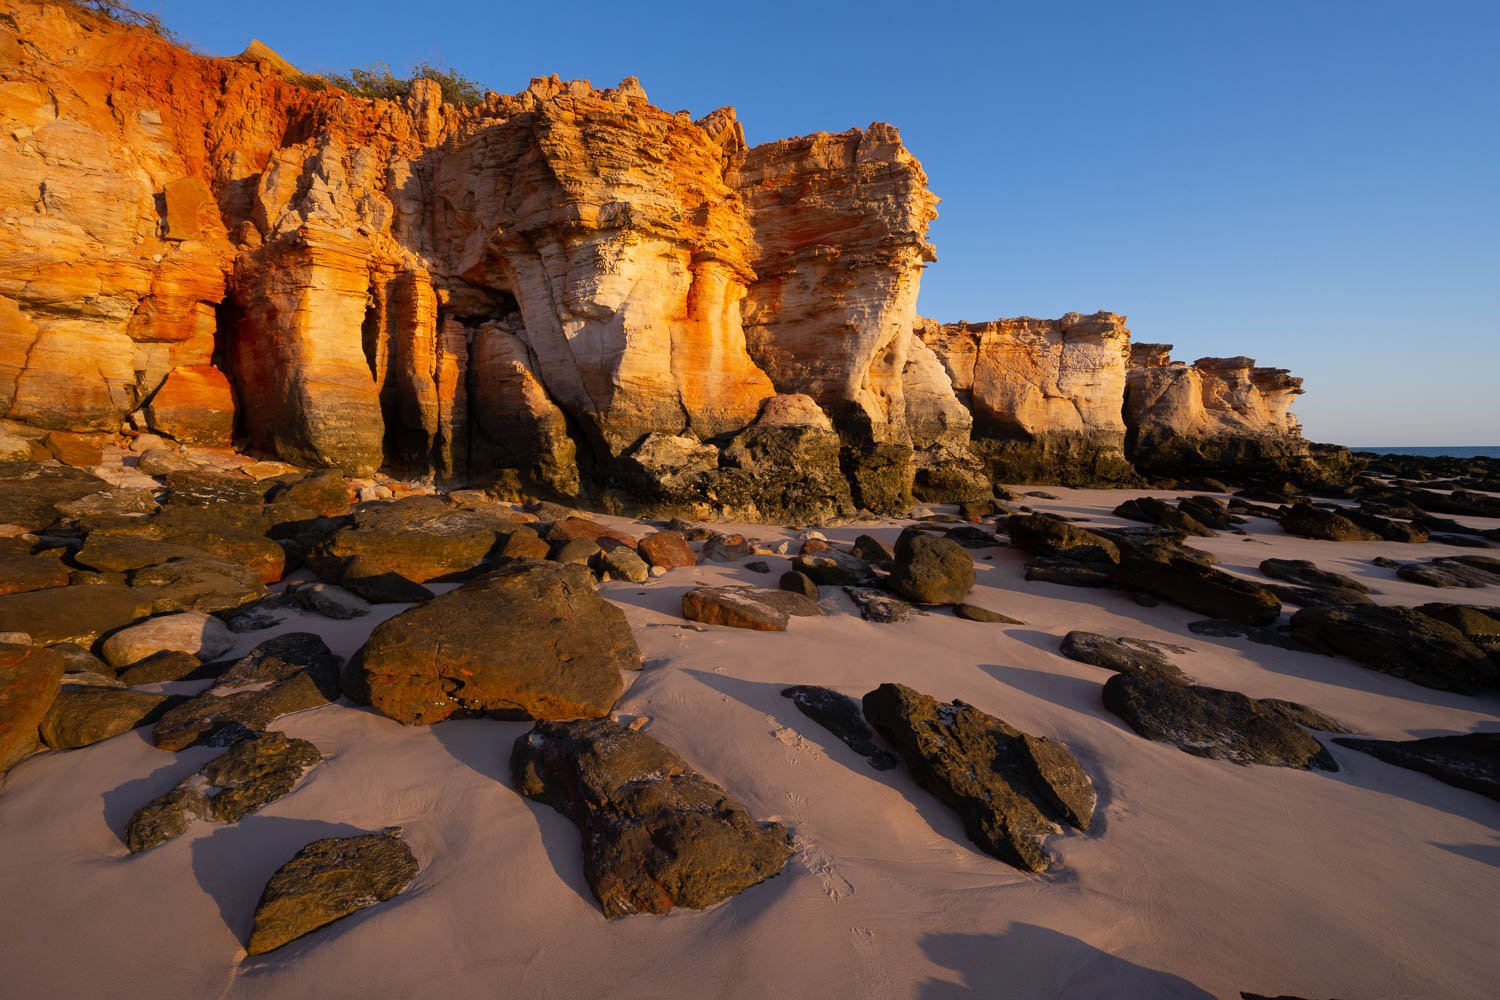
228 318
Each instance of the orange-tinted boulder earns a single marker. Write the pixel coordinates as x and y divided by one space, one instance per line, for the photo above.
194 405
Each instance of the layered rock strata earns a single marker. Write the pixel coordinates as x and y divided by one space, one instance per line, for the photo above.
566 292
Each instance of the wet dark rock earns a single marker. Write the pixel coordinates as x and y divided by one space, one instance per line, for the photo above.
1305 573
1199 588
1279 636
1123 655
876 605
756 608
656 834
758 566
931 570
1209 512
329 601
255 772
1210 722
1386 528
1153 511
1470 761
1009 788
974 613
1066 573
1307 521
1402 642
1470 572
1311 597
373 582
971 537
841 716
329 879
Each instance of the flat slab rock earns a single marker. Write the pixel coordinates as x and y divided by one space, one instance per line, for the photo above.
328 880
876 605
759 608
1470 760
1221 725
656 834
841 716
30 677
1402 642
254 773
1012 790
530 640
1123 655
290 673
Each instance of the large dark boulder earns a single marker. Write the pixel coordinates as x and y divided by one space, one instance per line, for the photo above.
1470 572
1204 589
1209 722
1402 642
528 640
1009 788
840 715
329 879
1154 511
1043 535
832 568
1470 760
931 570
254 773
656 834
1307 521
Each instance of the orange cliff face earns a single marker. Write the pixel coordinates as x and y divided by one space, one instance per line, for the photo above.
541 289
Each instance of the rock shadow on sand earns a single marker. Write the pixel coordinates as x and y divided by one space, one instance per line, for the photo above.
1053 965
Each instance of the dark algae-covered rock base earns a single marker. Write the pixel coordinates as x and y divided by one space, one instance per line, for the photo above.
656 834
1012 790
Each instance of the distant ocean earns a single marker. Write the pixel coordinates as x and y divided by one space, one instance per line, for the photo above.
1454 451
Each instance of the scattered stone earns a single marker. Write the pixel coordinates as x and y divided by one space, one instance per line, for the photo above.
1453 571
756 608
727 548
799 583
20 571
289 673
193 632
1009 788
159 461
1402 642
324 492
376 584
523 543
527 640
254 773
329 601
758 566
873 551
1154 511
327 880
1304 573
1470 761
832 568
974 613
656 834
1210 722
84 715
931 570
1384 563
621 563
877 605
1123 655
1307 521
840 715
30 678
668 549
167 665
577 552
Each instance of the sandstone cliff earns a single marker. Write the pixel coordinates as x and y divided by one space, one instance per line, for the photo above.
563 291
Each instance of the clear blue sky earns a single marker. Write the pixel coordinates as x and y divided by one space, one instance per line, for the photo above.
1314 183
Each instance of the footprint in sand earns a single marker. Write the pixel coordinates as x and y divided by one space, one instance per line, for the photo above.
834 885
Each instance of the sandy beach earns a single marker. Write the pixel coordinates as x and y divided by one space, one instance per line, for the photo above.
1198 878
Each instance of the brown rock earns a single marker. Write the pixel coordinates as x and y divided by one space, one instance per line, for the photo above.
530 640
29 678
20 571
667 549
746 607
194 405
